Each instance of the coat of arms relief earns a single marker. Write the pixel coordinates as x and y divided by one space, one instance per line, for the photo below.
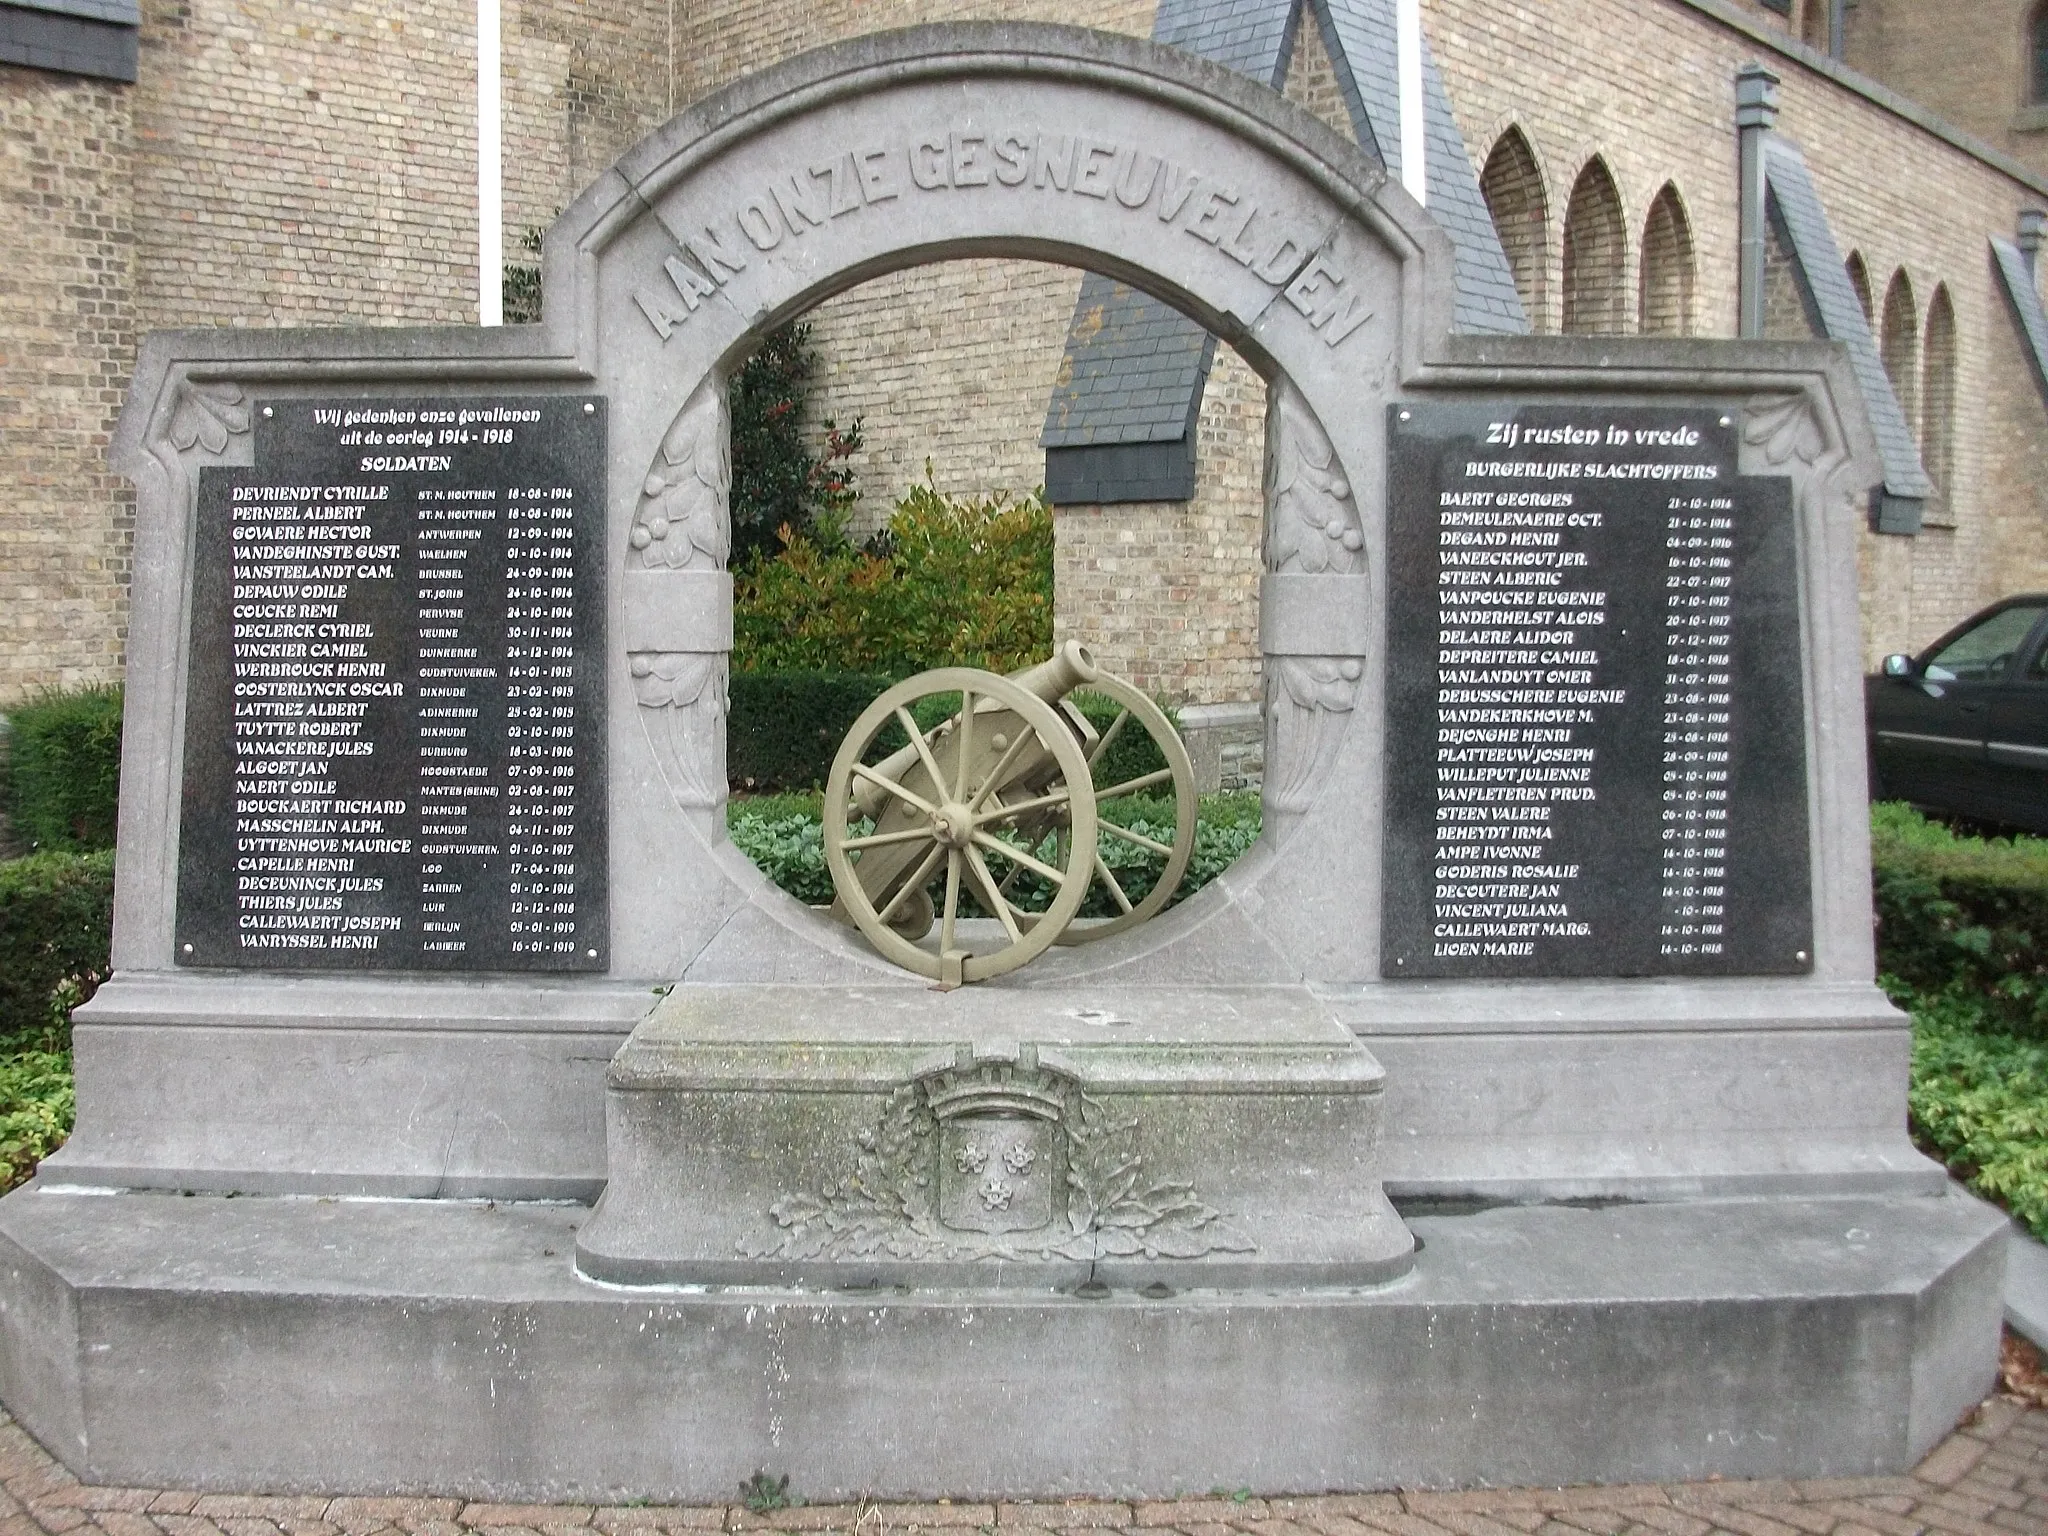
998 1160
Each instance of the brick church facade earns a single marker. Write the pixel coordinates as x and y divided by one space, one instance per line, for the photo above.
260 163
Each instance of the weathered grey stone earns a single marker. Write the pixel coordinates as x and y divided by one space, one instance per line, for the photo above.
809 1136
436 1345
320 1346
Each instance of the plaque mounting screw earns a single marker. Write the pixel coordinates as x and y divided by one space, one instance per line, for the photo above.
591 410
591 953
1800 956
188 949
267 412
1407 415
1727 421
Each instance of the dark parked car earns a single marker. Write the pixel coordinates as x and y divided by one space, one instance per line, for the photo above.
1962 728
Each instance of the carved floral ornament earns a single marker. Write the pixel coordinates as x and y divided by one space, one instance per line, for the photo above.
1313 528
996 1160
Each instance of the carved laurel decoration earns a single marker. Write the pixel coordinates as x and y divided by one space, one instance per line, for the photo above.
889 1205
1312 520
1308 702
681 522
683 696
206 415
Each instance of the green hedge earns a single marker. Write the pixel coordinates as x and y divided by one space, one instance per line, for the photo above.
1963 916
56 920
785 726
781 834
64 769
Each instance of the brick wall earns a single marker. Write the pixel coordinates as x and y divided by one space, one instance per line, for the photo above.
67 343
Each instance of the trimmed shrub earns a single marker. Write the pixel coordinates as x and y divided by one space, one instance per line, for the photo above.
781 834
64 769
785 726
1979 1102
56 922
950 582
1963 916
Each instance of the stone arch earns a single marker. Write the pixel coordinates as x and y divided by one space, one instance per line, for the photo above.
1595 255
1899 345
1245 214
1938 403
1859 281
1519 202
1665 294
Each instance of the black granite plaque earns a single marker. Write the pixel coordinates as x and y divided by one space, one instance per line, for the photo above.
394 727
1595 734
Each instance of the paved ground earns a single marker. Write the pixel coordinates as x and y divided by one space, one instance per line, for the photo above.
1990 1478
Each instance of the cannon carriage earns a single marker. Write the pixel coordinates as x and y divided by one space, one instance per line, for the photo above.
993 810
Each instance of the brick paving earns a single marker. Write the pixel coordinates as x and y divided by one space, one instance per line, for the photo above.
1989 1478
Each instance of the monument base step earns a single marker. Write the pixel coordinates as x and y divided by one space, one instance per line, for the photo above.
433 1346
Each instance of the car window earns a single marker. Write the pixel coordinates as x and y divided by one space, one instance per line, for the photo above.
1983 652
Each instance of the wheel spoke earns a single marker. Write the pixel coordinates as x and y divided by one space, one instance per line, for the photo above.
909 835
1102 742
863 771
993 896
964 753
924 749
1058 796
915 882
952 901
1018 856
1132 786
1111 829
1116 891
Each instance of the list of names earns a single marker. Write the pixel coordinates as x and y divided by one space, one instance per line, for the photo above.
1593 660
395 716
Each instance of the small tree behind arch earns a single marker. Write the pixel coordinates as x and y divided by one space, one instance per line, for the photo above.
1667 278
1595 255
1512 185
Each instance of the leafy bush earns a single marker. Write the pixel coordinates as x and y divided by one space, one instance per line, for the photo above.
961 581
778 481
64 769
36 1111
1963 916
1979 1102
56 921
781 834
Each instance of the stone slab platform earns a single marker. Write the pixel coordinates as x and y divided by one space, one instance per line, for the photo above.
327 1346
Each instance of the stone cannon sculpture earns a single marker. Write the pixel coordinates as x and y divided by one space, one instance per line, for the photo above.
1000 802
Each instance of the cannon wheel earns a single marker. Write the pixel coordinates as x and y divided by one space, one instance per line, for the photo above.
966 791
1136 708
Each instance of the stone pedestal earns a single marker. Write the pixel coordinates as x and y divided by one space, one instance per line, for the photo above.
831 1137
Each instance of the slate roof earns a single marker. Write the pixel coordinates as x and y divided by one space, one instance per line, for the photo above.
1805 223
1134 368
1361 33
75 37
2017 278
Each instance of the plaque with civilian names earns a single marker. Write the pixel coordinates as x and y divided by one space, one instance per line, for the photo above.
1595 718
395 715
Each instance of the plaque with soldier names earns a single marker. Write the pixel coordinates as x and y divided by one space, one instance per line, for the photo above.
395 717
1595 734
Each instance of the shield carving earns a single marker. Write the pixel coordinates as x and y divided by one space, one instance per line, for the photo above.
995 1173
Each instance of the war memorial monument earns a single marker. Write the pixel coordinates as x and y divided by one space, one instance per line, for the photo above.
467 1114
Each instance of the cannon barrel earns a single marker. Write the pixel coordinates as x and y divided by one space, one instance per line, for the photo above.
1069 667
